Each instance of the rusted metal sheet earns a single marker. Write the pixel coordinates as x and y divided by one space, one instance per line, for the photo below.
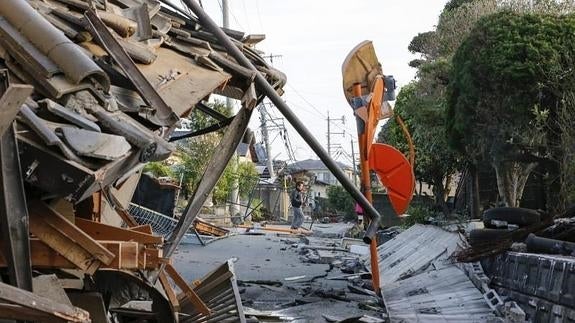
13 209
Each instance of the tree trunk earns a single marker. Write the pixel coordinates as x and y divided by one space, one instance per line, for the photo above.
511 180
439 195
474 198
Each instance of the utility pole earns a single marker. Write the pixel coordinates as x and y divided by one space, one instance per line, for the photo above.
265 136
329 132
354 164
234 194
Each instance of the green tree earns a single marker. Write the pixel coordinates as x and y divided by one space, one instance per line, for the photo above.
195 153
510 80
423 113
340 201
159 169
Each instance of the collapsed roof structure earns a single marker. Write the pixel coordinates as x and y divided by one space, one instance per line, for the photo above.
90 92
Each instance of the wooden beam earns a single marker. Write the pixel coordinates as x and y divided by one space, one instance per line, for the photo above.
50 227
126 255
172 297
13 211
63 243
41 304
153 258
208 228
13 96
187 290
218 162
145 228
102 231
129 251
20 313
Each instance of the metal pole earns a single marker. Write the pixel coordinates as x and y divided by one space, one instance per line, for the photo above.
328 137
354 164
264 86
269 161
234 194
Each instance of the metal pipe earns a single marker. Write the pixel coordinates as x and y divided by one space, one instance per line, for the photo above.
362 139
264 86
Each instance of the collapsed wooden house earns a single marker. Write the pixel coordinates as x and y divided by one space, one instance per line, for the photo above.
90 91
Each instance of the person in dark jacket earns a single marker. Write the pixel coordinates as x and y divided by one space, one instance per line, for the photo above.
297 201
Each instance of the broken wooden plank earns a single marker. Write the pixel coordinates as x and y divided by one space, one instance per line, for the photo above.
100 231
129 251
153 258
126 255
207 228
11 100
146 228
43 256
13 210
60 223
115 248
187 290
21 313
218 162
42 304
170 293
67 239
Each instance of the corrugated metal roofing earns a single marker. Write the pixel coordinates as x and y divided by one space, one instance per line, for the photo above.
413 250
445 295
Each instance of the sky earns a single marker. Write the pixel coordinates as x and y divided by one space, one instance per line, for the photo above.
312 39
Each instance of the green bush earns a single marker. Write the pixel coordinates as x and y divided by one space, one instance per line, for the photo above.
418 213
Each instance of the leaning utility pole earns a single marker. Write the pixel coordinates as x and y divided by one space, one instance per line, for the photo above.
263 120
265 87
234 194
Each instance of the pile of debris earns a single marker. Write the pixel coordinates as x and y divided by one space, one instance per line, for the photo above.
498 274
90 91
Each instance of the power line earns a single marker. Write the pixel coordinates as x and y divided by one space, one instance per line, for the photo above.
313 106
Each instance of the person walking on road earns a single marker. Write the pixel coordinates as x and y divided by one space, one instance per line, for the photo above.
297 200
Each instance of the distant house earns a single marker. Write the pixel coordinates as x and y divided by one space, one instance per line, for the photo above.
244 152
319 170
317 176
